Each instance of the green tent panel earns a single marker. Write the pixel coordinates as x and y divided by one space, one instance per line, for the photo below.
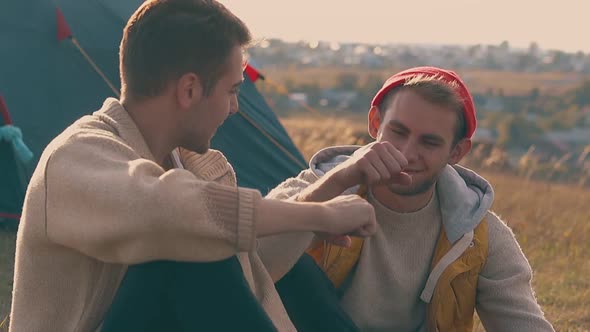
47 84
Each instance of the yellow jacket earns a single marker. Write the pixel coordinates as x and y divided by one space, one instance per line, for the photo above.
451 287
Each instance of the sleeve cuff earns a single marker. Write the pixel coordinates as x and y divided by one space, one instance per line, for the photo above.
248 202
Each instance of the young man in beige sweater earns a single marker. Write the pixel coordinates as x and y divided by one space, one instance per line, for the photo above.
136 182
438 253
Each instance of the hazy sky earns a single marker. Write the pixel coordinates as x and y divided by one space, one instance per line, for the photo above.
558 24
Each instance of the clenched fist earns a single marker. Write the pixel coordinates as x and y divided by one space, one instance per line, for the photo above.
349 215
375 163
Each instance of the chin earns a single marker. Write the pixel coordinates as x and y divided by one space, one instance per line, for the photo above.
198 148
201 149
411 190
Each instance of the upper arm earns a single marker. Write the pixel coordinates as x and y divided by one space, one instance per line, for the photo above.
505 298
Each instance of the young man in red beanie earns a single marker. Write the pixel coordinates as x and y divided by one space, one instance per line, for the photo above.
438 254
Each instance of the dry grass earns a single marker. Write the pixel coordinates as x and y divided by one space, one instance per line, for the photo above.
7 241
551 223
313 132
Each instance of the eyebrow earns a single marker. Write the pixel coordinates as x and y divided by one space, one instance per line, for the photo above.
433 138
428 137
395 123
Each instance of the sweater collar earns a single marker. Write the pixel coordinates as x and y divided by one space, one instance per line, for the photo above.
405 220
211 166
113 113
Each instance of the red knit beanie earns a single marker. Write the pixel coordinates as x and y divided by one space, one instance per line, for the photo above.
442 75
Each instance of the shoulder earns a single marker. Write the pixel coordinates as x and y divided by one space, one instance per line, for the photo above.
504 251
87 136
498 229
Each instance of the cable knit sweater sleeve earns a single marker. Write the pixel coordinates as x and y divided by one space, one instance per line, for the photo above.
104 200
279 253
505 298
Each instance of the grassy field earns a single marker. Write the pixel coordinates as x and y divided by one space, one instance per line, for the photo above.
479 81
551 222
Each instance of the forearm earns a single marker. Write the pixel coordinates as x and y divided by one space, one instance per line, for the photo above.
280 252
275 217
326 188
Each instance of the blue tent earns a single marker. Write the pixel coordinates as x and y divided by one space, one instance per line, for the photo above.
50 78
15 162
47 82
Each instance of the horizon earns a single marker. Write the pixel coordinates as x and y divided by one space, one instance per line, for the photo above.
552 26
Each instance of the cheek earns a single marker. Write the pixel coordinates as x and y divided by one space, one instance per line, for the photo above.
436 159
389 137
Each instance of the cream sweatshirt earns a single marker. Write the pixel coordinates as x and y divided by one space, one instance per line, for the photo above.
98 202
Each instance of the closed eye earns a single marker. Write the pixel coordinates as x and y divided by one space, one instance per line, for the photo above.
399 132
433 143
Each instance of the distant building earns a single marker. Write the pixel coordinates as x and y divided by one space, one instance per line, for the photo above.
296 99
339 99
494 104
572 138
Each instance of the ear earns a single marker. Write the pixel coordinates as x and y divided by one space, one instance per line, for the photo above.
189 90
460 150
374 121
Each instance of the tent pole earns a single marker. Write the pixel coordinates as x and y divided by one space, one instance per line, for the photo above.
94 66
10 216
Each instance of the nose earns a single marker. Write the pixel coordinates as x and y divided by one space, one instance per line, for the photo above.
233 105
409 148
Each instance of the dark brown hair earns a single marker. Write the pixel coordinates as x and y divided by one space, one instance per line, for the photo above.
164 39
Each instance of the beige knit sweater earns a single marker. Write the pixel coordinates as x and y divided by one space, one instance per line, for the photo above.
98 202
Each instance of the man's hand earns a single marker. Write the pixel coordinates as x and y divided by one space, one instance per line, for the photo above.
342 215
375 163
349 215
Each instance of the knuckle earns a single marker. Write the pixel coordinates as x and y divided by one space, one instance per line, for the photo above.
371 153
379 147
363 162
403 161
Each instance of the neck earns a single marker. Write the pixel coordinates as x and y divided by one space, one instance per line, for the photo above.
151 121
402 203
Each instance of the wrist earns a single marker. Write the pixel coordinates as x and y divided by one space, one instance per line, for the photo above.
320 219
338 180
